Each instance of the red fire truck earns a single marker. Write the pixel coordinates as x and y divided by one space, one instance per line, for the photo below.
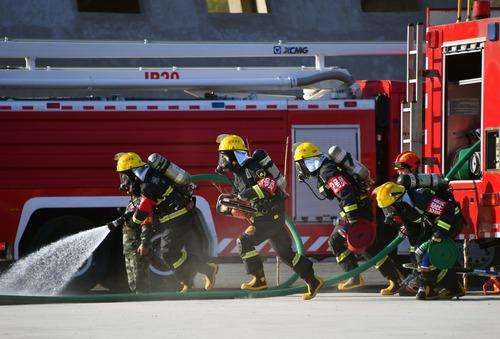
58 174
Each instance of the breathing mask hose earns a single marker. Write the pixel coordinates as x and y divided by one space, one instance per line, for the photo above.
312 190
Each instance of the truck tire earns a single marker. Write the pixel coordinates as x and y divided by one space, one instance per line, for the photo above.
93 269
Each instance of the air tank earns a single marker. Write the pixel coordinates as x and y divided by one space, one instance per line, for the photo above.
344 160
413 181
171 170
265 161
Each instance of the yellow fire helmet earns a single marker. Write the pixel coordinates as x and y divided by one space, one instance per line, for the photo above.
231 142
388 193
306 150
128 160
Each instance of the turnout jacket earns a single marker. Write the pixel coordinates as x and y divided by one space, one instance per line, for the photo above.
426 213
252 183
333 183
160 196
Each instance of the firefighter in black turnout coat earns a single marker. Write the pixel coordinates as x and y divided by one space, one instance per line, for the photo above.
171 206
257 182
425 218
336 182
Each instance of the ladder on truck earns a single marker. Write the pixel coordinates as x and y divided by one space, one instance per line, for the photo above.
171 77
413 105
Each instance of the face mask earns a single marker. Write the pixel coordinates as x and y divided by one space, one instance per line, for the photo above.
125 182
132 187
391 216
224 163
302 172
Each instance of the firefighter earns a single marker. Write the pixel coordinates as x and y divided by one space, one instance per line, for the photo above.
407 163
407 166
424 218
172 207
256 186
136 260
335 183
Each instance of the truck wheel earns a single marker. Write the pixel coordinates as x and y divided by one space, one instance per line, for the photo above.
161 277
478 258
94 268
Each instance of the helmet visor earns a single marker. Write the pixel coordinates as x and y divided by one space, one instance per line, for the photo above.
313 164
241 157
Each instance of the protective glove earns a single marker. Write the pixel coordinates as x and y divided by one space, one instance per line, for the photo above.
115 224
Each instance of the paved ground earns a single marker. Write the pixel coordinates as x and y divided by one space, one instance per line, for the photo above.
330 315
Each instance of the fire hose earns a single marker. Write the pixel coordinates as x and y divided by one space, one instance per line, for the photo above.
281 290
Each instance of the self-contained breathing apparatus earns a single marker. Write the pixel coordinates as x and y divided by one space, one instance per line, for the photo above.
130 183
264 167
344 161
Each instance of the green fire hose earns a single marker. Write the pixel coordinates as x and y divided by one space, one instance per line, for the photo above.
464 158
281 290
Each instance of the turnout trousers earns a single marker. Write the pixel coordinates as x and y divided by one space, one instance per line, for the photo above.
180 248
272 228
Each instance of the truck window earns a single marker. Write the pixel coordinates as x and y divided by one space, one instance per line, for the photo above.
306 207
462 118
493 150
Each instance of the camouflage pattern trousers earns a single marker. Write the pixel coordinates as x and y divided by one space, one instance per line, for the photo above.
136 265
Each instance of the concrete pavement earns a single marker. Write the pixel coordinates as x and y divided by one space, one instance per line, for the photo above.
330 315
